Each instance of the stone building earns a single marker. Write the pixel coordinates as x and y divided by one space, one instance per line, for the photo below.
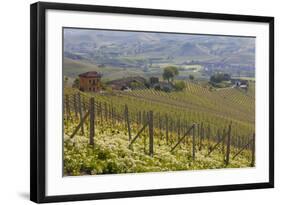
90 81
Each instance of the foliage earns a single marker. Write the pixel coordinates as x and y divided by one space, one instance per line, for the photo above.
170 72
75 83
135 85
191 77
179 85
219 77
103 85
111 154
166 89
222 84
65 81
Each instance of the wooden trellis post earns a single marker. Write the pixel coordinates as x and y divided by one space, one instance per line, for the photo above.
105 111
239 142
156 122
175 127
101 117
109 112
140 117
228 145
160 126
67 107
167 128
144 118
218 135
138 134
92 120
112 115
97 109
179 128
84 104
201 136
128 122
198 132
193 142
253 150
150 130
223 142
80 112
208 134
80 125
75 105
171 131
182 138
184 130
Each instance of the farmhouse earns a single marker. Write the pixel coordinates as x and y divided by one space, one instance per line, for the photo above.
127 83
90 81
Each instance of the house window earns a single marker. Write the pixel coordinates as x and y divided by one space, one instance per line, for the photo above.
89 89
89 81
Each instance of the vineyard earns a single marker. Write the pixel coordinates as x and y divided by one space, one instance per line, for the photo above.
149 131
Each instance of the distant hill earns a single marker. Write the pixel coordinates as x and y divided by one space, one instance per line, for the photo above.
190 49
72 68
138 52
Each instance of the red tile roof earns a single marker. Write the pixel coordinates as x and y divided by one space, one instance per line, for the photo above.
91 74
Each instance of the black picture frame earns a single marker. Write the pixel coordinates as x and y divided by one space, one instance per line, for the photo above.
38 101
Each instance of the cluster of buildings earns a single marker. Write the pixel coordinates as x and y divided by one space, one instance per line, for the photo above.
91 82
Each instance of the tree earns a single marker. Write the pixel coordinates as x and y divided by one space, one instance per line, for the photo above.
65 81
103 85
179 85
135 85
219 77
75 83
226 77
170 72
191 77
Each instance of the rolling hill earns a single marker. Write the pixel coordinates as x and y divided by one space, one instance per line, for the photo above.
114 48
